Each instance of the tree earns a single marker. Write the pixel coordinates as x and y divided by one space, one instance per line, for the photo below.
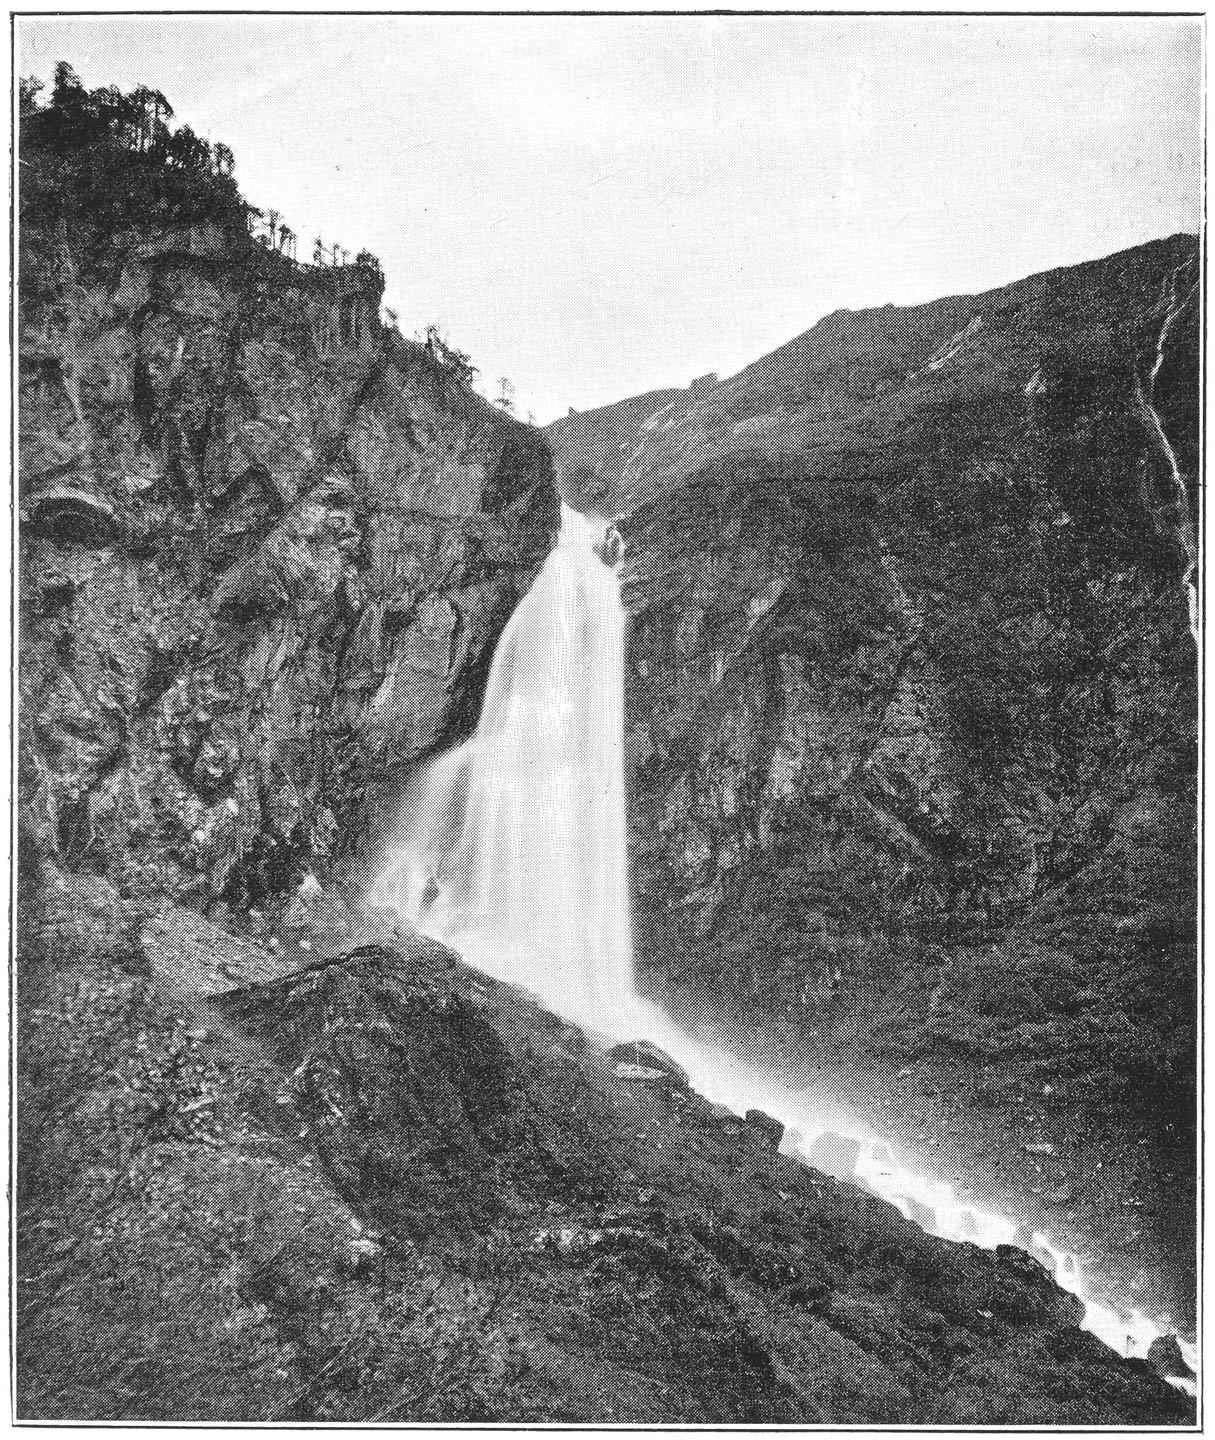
162 111
73 118
157 112
130 121
68 92
272 219
142 118
114 110
188 150
134 165
456 362
318 252
31 88
506 396
225 161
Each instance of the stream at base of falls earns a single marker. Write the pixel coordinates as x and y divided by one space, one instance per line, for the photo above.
514 853
830 1130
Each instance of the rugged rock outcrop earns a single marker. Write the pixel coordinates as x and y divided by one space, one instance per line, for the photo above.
267 548
911 684
386 1187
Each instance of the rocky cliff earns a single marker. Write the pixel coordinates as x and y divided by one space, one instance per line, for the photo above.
911 692
267 548
318 1169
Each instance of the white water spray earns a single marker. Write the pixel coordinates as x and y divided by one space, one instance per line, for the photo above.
515 855
516 852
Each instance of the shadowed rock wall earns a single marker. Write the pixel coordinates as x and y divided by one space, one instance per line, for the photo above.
911 687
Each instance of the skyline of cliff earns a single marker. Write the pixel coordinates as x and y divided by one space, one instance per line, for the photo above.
602 208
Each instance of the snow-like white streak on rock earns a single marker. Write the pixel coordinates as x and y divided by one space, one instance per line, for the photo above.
950 348
1147 397
653 420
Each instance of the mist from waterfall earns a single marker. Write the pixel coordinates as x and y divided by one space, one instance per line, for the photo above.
515 854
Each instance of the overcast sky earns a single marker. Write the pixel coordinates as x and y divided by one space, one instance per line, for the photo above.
599 206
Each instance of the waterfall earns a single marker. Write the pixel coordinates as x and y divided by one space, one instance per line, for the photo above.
515 854
515 850
1173 308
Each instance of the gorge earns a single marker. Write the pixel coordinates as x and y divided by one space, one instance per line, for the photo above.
902 725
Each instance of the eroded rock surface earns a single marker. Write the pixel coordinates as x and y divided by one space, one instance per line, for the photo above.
267 549
911 698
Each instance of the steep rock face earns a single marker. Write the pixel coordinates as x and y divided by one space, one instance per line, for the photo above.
911 685
267 550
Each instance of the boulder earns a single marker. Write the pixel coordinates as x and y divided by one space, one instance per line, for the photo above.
199 958
1164 1355
771 1129
68 515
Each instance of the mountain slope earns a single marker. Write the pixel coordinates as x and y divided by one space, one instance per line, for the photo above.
385 1187
911 698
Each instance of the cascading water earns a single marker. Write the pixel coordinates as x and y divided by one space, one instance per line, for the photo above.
515 854
1174 306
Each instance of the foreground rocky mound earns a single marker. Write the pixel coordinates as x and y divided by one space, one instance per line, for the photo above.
385 1187
912 706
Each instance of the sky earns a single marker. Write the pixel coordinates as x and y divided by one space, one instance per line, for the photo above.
598 206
